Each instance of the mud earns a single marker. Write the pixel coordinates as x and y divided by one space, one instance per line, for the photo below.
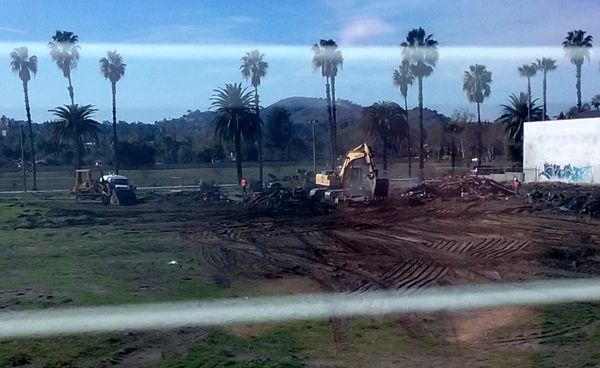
405 243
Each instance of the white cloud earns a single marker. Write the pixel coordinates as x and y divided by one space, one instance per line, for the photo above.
11 30
365 29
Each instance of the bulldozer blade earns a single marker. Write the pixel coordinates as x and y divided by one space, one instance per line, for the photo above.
380 188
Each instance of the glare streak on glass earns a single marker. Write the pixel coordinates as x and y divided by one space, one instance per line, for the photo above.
297 307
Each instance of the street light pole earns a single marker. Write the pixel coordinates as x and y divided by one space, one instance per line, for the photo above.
313 123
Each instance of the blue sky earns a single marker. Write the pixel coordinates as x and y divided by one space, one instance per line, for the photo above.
177 52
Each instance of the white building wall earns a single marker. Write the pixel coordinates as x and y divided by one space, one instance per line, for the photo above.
562 150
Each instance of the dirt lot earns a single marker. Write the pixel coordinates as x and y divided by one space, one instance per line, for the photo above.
226 249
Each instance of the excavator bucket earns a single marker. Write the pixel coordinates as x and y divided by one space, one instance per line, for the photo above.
380 188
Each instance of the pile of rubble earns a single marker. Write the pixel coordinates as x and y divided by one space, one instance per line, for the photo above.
567 198
459 187
278 197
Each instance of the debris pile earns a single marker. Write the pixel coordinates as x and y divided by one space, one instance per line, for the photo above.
459 187
567 198
209 192
279 197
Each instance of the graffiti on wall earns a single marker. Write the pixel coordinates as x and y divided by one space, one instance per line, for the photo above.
567 173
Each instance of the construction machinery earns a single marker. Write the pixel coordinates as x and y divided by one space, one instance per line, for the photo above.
349 182
91 185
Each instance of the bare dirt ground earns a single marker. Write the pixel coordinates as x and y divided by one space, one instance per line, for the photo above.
408 243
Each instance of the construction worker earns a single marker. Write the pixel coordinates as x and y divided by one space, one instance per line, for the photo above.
243 183
516 185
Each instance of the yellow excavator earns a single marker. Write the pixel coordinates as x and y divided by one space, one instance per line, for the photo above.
349 182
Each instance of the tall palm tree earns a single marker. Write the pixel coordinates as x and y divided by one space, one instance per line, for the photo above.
528 71
235 119
113 69
545 65
254 67
421 52
24 66
329 59
64 50
577 48
386 121
75 123
402 78
476 83
514 116
596 102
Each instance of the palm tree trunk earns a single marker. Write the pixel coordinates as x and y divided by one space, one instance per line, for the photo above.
479 143
544 96
70 88
578 85
258 135
334 117
421 130
114 114
238 150
31 138
330 117
408 137
384 155
78 151
528 99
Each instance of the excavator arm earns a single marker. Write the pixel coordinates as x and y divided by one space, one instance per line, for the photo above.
361 152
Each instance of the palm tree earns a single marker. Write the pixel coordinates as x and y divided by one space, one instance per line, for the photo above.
514 116
577 48
113 68
596 102
476 83
528 71
75 124
402 78
235 119
546 65
64 50
453 128
328 58
24 66
420 50
385 120
254 67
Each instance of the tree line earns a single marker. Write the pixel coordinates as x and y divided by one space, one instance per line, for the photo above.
237 116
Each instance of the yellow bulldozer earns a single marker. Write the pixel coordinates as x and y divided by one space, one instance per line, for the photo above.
91 185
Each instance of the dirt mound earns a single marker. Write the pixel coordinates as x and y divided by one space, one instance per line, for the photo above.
459 187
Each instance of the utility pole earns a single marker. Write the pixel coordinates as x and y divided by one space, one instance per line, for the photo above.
313 123
23 160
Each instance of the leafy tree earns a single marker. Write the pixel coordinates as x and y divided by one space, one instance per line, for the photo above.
24 66
577 48
402 78
234 119
280 130
528 71
514 116
596 102
113 69
64 50
137 154
545 65
74 123
328 58
476 84
453 128
254 67
385 121
420 50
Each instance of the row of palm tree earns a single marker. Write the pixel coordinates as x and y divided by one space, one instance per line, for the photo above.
419 58
64 50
